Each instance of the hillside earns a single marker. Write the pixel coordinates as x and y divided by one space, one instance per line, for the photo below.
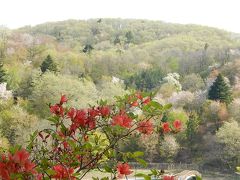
119 44
102 58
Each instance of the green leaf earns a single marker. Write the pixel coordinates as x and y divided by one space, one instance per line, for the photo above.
50 172
154 172
108 169
142 162
34 135
63 128
155 104
71 143
15 148
146 177
53 119
87 146
137 154
167 106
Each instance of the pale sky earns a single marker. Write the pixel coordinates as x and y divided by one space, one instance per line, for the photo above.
224 14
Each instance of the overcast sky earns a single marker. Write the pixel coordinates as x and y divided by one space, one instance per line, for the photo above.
224 14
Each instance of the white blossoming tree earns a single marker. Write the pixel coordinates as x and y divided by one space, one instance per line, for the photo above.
173 78
4 93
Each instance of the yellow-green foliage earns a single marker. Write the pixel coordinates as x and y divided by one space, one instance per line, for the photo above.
15 123
49 88
108 90
80 92
4 143
178 114
167 89
99 141
228 135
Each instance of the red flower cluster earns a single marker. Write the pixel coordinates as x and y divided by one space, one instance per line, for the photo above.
145 127
62 173
123 169
86 118
17 163
57 109
83 120
177 124
104 111
80 118
122 119
138 99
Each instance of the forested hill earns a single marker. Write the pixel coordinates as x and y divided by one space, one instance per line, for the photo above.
96 31
121 47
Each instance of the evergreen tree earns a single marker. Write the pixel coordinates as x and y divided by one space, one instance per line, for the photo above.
2 74
220 91
48 64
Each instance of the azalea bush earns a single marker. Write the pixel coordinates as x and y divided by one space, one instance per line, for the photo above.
82 140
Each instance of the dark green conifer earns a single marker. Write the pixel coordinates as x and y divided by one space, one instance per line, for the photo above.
48 64
220 91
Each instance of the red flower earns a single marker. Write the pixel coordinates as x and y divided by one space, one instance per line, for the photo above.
73 127
145 127
147 100
93 112
91 123
177 124
80 118
135 103
123 120
167 177
166 127
57 109
104 111
123 169
20 156
16 163
83 119
71 113
63 99
39 177
4 174
62 172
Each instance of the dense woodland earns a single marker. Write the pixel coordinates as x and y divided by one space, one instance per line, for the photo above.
195 68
